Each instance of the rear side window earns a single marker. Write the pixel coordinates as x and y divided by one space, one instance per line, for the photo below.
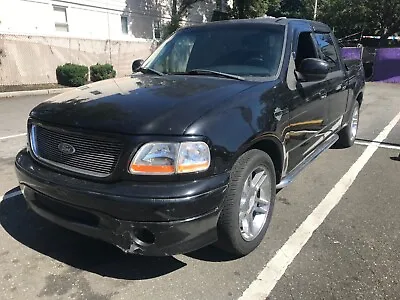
328 50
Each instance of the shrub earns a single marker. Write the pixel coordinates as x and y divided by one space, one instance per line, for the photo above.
72 74
101 72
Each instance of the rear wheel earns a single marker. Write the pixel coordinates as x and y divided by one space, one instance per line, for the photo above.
348 134
248 203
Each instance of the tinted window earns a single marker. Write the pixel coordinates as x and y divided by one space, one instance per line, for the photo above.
175 58
328 49
305 48
239 50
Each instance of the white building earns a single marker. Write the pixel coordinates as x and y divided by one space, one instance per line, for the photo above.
95 19
38 35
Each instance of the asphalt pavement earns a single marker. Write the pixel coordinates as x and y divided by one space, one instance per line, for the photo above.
354 253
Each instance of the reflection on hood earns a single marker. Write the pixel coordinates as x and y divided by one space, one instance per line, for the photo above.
139 104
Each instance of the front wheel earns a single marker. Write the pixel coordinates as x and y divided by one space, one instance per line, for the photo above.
347 135
248 203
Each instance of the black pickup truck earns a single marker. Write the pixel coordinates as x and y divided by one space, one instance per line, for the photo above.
191 149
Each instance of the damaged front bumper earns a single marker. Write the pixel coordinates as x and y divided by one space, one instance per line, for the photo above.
84 207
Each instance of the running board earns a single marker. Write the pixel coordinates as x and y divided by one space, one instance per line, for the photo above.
313 155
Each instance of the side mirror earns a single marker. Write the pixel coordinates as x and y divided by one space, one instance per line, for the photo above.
137 64
313 69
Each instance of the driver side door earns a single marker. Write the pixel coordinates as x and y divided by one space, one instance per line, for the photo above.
308 108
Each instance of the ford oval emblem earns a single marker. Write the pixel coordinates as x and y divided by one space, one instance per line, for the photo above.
66 148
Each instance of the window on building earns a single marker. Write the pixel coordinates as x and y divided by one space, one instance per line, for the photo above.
60 18
124 24
328 50
157 30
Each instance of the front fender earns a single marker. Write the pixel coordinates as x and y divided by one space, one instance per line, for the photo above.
235 130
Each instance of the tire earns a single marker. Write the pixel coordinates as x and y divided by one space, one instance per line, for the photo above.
347 136
233 236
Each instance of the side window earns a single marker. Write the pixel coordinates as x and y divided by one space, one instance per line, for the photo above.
327 46
305 48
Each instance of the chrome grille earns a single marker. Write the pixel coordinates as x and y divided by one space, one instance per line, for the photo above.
81 154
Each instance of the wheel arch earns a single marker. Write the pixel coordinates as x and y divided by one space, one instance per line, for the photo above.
273 147
360 97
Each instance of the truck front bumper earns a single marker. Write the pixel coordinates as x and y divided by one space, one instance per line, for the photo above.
167 219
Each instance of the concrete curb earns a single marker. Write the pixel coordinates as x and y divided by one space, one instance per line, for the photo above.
34 92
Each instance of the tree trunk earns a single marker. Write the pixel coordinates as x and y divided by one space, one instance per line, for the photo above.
175 17
383 41
174 9
240 4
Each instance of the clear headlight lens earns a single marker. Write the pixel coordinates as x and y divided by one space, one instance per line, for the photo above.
171 158
155 158
193 157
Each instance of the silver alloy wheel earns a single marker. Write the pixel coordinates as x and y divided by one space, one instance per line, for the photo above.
354 123
255 203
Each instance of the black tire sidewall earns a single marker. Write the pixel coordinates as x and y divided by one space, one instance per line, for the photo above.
350 138
345 137
231 235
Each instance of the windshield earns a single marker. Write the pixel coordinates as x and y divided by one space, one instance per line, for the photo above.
245 50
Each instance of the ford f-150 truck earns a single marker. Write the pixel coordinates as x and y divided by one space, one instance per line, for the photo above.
191 149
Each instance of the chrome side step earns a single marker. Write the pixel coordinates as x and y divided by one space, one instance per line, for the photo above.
306 161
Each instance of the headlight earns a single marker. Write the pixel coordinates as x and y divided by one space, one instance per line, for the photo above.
171 158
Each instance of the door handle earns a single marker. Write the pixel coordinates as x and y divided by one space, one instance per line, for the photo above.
341 87
279 113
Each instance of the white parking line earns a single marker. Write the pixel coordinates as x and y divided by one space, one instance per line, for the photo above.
276 267
380 145
10 195
12 136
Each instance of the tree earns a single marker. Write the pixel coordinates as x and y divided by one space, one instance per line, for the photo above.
243 9
383 17
372 17
179 10
302 9
345 17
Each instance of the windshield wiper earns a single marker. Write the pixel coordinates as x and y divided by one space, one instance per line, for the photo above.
213 73
150 71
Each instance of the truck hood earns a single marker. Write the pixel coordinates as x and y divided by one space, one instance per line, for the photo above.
140 104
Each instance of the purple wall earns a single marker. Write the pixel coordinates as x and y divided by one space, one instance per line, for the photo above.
351 53
387 65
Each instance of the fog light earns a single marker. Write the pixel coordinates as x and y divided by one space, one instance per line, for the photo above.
144 237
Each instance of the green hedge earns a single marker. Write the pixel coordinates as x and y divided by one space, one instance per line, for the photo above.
72 75
101 72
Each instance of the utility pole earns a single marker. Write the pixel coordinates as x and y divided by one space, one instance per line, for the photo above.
315 9
109 31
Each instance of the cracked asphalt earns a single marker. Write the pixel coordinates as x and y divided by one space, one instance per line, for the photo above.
354 254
